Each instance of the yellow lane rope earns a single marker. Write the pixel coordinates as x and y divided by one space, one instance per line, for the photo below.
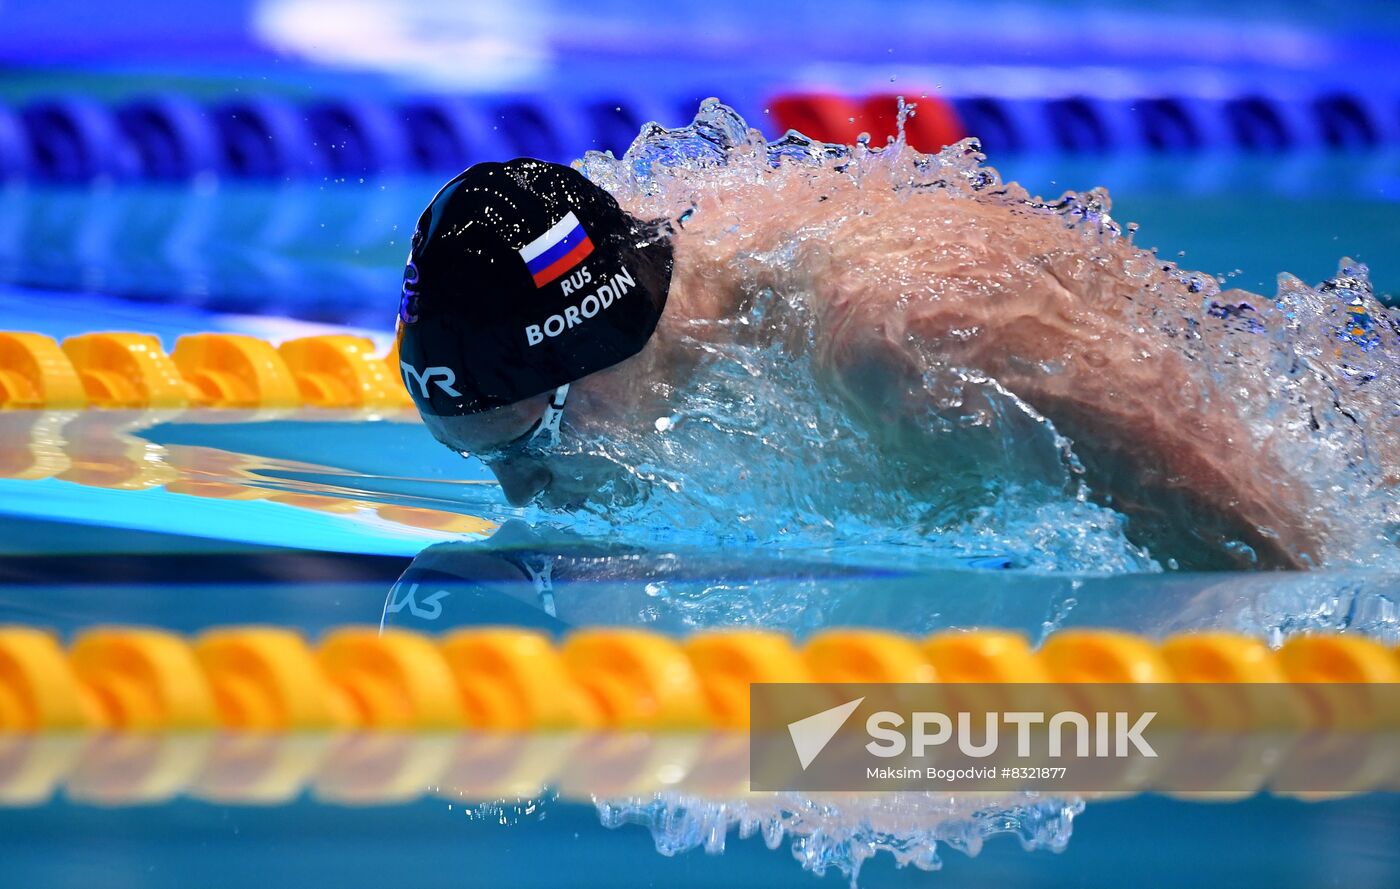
121 370
269 679
257 715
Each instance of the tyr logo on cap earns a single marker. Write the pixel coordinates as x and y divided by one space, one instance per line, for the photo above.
444 377
558 250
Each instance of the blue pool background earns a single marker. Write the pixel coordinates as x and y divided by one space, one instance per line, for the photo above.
1146 842
90 241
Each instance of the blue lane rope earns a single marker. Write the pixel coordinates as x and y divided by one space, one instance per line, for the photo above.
173 137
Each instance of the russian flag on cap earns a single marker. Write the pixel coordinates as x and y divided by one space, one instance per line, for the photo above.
556 251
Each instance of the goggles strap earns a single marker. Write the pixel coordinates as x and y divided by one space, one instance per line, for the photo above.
546 433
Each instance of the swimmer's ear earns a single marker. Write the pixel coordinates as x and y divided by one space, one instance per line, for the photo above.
656 231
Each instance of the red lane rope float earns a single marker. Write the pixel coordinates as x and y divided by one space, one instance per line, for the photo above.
933 125
835 118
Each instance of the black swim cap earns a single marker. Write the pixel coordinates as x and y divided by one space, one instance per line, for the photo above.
524 276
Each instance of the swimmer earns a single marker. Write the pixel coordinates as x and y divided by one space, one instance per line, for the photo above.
532 297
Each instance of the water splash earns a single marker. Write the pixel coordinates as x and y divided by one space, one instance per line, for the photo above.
841 833
756 444
505 812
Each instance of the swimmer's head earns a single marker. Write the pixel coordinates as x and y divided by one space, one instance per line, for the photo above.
528 467
523 277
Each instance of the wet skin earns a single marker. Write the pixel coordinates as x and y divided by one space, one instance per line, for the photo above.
898 285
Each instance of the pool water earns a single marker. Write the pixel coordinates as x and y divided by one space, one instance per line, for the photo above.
1259 843
311 522
313 519
328 250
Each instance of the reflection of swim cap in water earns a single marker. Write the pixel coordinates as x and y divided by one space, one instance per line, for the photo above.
524 276
509 580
